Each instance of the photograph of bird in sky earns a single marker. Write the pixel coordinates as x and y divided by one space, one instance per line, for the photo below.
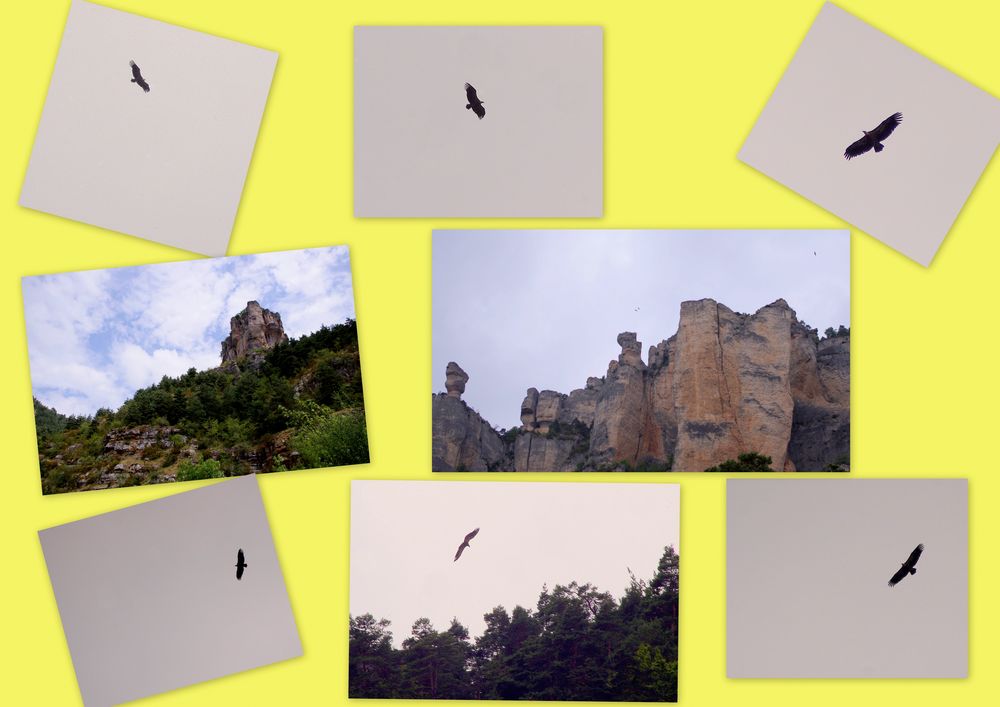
558 592
815 134
806 570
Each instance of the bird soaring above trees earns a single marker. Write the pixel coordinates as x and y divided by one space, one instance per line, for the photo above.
873 139
137 77
474 103
240 564
465 544
908 567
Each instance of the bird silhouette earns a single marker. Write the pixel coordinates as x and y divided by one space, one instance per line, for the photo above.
465 544
137 77
240 564
874 138
474 103
908 567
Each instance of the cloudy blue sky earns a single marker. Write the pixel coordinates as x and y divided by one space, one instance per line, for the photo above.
543 309
96 336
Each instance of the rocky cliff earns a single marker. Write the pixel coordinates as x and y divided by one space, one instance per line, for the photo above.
253 329
725 384
462 439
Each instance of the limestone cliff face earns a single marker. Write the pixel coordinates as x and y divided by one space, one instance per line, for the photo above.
252 329
725 384
462 440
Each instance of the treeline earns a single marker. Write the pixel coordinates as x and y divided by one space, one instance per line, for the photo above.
308 388
577 644
256 395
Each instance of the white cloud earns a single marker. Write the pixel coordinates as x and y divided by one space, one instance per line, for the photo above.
95 337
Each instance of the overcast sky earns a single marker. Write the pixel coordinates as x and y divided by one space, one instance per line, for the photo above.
96 336
419 152
808 565
907 195
543 309
404 535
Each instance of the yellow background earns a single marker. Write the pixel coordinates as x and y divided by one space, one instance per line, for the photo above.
684 82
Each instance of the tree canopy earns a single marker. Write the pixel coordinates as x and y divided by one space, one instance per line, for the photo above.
578 643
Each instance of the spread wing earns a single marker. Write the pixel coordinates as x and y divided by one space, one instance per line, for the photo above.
135 71
859 147
915 555
900 573
886 127
465 544
479 109
470 93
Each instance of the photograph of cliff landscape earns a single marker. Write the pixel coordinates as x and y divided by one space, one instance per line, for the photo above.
514 591
195 370
748 367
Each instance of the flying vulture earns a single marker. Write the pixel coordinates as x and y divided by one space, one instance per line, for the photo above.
474 103
240 564
875 137
137 77
465 544
908 567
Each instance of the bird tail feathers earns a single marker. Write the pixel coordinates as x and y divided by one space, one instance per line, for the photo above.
878 147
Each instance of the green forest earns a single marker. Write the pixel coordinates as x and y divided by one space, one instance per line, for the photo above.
578 643
299 405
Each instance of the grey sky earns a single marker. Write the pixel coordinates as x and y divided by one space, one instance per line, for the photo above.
149 599
542 309
808 562
167 165
404 535
419 152
848 77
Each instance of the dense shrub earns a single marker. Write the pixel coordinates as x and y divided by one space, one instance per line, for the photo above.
192 471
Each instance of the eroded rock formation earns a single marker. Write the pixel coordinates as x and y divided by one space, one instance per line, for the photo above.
253 329
725 384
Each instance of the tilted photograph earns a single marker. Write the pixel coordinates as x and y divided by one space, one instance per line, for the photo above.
849 578
148 128
746 366
514 591
195 369
875 133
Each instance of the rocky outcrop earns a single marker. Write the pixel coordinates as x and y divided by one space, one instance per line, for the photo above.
725 384
133 440
455 380
462 439
253 329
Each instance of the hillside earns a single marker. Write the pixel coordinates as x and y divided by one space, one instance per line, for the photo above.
726 386
285 404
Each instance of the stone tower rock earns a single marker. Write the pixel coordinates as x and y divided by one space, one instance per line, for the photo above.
253 329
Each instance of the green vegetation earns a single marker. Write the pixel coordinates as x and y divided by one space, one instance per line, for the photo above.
840 331
208 469
298 405
578 644
748 462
